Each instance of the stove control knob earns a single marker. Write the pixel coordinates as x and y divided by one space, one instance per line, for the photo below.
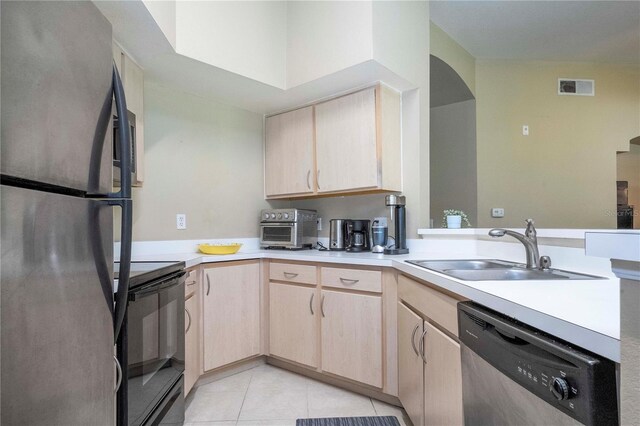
273 215
279 215
266 215
559 388
286 215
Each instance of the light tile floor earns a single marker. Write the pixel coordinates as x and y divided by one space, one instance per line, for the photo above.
270 396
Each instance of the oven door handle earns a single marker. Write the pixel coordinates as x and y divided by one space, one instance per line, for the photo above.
153 287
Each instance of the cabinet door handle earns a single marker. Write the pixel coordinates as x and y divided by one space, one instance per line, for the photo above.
290 274
322 306
424 333
189 316
311 303
413 339
208 284
348 281
318 178
308 181
119 372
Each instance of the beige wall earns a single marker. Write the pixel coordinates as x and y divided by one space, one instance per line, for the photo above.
203 159
453 165
629 170
447 49
563 174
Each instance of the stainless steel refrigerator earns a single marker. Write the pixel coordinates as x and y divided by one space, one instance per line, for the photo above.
59 316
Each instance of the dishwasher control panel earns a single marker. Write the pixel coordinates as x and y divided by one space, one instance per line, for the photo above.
576 382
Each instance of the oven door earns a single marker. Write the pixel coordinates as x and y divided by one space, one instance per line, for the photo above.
155 340
279 234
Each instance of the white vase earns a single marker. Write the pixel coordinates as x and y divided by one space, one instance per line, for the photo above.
454 222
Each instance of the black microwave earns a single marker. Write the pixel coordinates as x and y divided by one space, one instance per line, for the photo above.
117 155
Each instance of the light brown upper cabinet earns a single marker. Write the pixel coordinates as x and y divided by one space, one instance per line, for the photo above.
133 81
231 317
289 156
349 144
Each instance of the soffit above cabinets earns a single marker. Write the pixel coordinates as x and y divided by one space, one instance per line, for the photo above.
268 57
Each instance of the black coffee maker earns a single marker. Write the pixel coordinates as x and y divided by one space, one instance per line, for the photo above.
357 236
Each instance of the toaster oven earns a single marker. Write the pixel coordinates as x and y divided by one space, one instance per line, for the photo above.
292 229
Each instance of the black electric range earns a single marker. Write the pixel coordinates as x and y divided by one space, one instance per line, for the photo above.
145 272
151 346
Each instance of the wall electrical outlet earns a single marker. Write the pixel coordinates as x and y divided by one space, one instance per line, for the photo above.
181 221
497 212
319 222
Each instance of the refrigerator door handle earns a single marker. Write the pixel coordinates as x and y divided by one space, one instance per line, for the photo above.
124 137
126 235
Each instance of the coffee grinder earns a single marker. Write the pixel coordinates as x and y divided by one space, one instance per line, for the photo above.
398 211
379 234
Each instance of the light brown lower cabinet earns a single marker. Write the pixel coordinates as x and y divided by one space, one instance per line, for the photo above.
191 340
231 317
442 379
292 323
430 376
410 364
352 336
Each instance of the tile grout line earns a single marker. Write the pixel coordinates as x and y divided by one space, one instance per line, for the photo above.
374 406
245 396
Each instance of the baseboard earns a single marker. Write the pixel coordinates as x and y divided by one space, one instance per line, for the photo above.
335 381
230 370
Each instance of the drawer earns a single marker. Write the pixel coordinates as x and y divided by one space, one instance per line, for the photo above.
437 306
191 281
293 272
352 279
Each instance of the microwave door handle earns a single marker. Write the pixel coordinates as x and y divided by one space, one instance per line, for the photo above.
124 135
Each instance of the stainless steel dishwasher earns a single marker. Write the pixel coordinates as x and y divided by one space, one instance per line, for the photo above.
513 374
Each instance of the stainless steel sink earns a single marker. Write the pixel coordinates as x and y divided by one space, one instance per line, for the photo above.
496 270
443 265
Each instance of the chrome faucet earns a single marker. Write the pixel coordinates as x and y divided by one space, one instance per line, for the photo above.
530 242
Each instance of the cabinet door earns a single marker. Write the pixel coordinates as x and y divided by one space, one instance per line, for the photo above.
442 379
289 167
292 323
352 336
231 303
410 365
191 340
346 144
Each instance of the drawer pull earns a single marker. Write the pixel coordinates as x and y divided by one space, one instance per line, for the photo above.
424 333
191 282
290 274
348 281
413 339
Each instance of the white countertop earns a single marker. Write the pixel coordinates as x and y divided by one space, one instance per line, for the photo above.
584 312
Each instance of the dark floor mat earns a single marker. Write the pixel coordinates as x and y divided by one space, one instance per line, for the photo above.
350 421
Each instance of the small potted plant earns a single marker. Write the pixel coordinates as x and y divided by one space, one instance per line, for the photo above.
453 219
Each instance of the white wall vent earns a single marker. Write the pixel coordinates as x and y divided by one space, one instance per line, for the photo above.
576 87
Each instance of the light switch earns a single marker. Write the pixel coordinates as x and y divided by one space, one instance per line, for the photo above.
525 130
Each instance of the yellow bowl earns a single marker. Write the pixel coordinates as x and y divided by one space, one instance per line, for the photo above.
219 248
